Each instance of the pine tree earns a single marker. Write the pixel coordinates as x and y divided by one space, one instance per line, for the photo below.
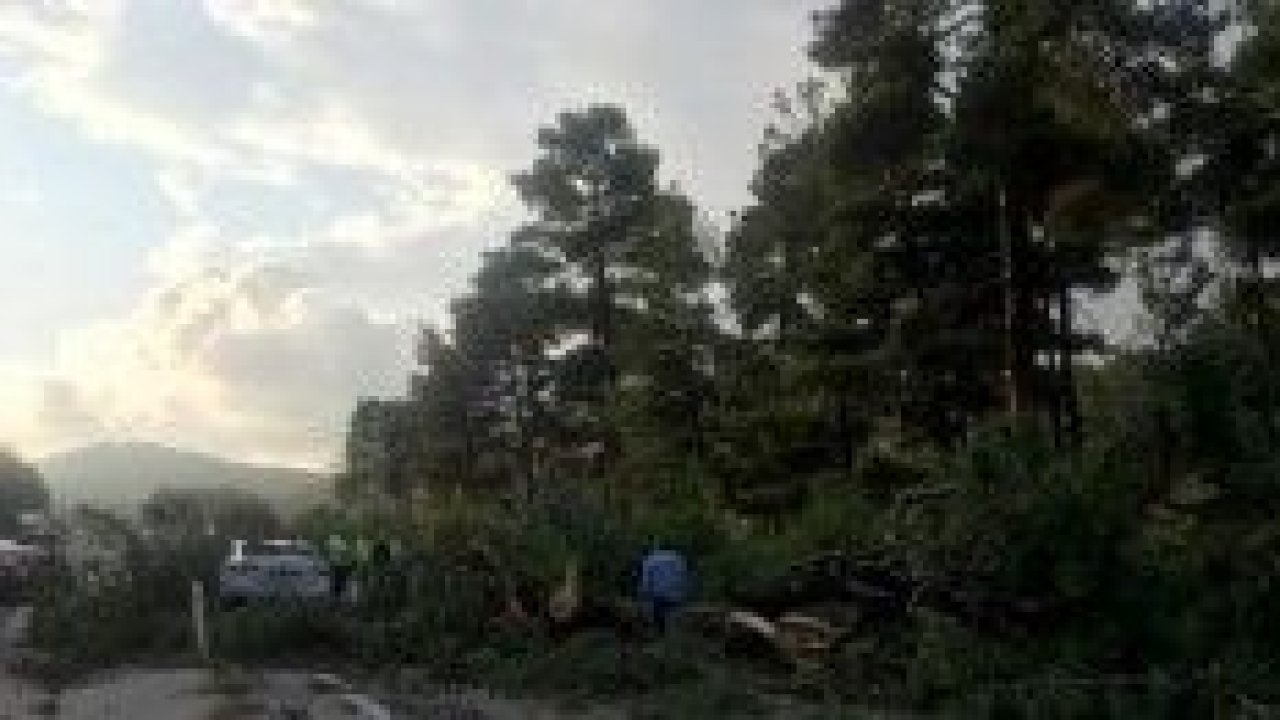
623 247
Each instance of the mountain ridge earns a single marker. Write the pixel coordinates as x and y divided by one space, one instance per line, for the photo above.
120 476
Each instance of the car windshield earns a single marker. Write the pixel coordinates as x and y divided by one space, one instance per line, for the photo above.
241 549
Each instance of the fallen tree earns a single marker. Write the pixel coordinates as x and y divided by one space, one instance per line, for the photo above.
883 590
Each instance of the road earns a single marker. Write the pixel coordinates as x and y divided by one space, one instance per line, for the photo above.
188 694
19 699
233 694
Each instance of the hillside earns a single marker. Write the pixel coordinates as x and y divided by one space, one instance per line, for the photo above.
120 476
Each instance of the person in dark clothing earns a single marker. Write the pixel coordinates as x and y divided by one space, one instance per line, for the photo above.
664 585
341 567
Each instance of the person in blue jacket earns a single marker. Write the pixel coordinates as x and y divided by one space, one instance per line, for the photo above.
664 584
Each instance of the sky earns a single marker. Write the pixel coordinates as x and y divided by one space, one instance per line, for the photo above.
221 221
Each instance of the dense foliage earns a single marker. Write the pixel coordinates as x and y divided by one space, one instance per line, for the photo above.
896 352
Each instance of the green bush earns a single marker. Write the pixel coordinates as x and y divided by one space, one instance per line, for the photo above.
109 624
277 631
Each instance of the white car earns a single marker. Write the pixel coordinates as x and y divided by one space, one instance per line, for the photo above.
274 570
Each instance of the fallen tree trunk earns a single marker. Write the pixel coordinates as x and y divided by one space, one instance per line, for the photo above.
884 592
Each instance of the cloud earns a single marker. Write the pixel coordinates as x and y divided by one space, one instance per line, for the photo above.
257 348
240 84
333 169
63 412
264 21
71 37
253 363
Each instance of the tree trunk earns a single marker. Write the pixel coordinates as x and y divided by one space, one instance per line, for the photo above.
602 336
1012 400
523 451
602 315
1252 299
1070 390
467 464
1019 306
1067 409
1262 327
1026 315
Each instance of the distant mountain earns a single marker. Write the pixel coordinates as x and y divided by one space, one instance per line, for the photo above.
121 476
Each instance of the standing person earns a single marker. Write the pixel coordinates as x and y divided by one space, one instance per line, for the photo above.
378 577
342 564
664 584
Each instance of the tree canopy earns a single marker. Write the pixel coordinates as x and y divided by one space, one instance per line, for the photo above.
22 490
905 346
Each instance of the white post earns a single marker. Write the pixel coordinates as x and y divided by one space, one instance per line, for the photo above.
199 621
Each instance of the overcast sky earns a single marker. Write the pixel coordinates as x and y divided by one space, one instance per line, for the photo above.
220 220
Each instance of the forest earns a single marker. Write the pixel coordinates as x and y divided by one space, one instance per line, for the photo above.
1000 324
